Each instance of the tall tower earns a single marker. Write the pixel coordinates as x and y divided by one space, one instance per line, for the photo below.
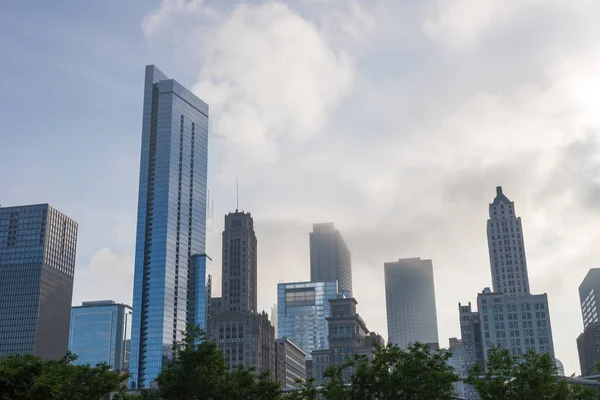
37 263
171 222
410 301
506 247
239 283
330 257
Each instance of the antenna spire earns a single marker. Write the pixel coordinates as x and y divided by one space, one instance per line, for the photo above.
237 195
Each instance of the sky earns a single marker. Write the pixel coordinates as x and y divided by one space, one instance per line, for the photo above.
393 119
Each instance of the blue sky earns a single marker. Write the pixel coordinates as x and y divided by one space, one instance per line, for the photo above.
395 120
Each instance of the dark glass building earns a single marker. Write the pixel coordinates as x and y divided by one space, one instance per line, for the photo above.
101 332
330 258
171 222
37 263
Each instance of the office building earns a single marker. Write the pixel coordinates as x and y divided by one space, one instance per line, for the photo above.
348 335
410 301
37 263
589 297
457 362
588 347
470 329
302 311
330 257
517 323
199 298
291 363
244 339
101 332
171 221
239 282
506 247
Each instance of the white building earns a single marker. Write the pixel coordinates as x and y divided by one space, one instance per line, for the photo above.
410 301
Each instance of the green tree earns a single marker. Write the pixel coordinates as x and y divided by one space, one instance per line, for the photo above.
531 376
29 377
198 372
416 373
307 391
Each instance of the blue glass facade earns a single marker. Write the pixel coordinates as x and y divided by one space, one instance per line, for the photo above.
37 263
199 298
302 311
101 332
171 223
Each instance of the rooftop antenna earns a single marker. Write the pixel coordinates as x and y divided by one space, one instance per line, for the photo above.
237 194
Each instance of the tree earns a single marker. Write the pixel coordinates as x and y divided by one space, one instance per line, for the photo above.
531 376
396 374
198 371
29 377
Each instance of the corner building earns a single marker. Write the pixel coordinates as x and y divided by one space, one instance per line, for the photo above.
171 221
37 263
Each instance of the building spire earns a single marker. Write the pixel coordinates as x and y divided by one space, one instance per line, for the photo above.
498 190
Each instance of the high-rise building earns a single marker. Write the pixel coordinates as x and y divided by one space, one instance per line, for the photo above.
37 263
171 222
302 311
588 347
348 335
244 336
101 332
330 257
470 329
199 297
410 301
457 362
291 363
506 247
239 282
589 297
515 322
273 316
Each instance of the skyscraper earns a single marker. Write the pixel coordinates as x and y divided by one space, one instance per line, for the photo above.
589 297
410 301
37 263
171 222
244 336
302 311
239 282
506 247
330 257
101 332
588 343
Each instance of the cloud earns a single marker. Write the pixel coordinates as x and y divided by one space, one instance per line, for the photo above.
108 274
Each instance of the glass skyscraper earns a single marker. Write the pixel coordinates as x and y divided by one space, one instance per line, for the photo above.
101 332
37 263
302 311
171 222
330 257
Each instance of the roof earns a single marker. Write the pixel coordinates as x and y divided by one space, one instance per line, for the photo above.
500 197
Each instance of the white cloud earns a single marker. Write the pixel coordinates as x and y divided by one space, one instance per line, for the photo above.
109 276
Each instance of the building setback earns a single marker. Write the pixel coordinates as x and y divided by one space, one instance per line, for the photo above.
37 264
302 311
171 221
410 301
290 362
330 257
101 332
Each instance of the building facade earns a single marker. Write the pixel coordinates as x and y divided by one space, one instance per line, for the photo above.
37 263
470 329
171 221
303 308
244 339
506 247
239 280
410 301
101 332
348 335
457 362
330 258
291 363
517 323
588 347
589 297
200 283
